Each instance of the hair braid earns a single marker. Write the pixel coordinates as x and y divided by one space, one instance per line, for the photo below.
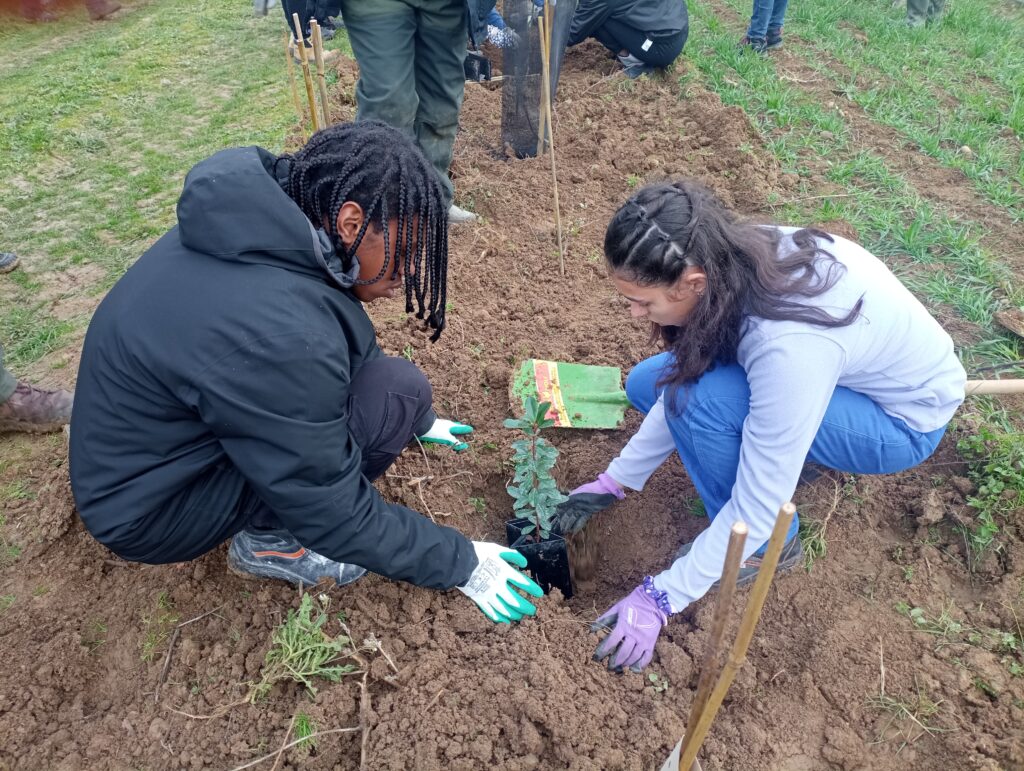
381 169
747 272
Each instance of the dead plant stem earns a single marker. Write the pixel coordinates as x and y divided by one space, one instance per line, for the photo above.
287 735
292 743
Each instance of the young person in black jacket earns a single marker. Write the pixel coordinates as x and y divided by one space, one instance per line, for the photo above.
644 35
231 385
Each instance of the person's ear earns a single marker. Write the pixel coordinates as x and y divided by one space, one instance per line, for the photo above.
349 222
692 281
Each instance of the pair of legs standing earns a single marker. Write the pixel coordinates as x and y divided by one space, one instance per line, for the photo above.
766 20
921 12
855 436
410 55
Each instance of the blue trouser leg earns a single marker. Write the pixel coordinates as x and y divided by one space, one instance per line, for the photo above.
766 15
855 435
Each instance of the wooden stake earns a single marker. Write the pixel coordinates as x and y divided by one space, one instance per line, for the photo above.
545 32
542 123
979 387
291 82
726 591
738 652
318 55
300 44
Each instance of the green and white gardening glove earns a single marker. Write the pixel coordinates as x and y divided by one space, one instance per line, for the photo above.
447 432
490 584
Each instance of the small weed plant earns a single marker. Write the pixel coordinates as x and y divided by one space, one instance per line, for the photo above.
301 650
997 468
533 490
304 729
158 626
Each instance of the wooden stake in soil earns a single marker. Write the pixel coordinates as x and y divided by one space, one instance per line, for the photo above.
318 55
291 82
545 33
979 387
300 44
542 123
738 652
726 591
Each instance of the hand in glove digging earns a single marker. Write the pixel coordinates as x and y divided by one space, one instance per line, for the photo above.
447 432
635 623
585 501
490 585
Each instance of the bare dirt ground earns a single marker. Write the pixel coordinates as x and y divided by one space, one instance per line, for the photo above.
87 682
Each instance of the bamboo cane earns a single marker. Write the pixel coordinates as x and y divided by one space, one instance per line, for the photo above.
726 591
738 652
542 125
318 55
546 66
300 44
980 387
291 82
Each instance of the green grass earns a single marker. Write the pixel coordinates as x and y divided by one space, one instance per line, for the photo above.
940 258
157 626
99 124
996 458
304 729
958 83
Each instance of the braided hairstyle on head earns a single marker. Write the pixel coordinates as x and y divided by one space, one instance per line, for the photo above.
665 228
382 170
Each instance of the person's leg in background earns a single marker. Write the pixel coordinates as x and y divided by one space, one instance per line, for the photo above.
605 37
441 36
935 9
757 32
382 34
8 383
917 12
303 9
773 35
27 408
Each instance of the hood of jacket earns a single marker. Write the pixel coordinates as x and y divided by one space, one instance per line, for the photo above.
233 207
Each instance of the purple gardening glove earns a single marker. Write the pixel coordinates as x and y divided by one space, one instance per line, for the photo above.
585 501
635 623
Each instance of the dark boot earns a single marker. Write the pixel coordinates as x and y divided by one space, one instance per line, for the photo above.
35 410
101 9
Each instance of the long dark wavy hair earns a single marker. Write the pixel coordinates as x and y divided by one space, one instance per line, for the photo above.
666 227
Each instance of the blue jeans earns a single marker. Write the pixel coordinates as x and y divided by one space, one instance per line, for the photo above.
767 15
855 436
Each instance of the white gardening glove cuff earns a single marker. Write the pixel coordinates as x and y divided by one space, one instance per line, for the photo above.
447 432
490 584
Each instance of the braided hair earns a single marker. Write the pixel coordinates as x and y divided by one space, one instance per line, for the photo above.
381 169
666 227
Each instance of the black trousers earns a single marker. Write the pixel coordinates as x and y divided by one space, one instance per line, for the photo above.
389 404
663 50
320 10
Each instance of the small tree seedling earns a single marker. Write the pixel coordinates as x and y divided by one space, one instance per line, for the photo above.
533 490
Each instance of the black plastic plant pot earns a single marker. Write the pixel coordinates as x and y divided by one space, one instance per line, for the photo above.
547 560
